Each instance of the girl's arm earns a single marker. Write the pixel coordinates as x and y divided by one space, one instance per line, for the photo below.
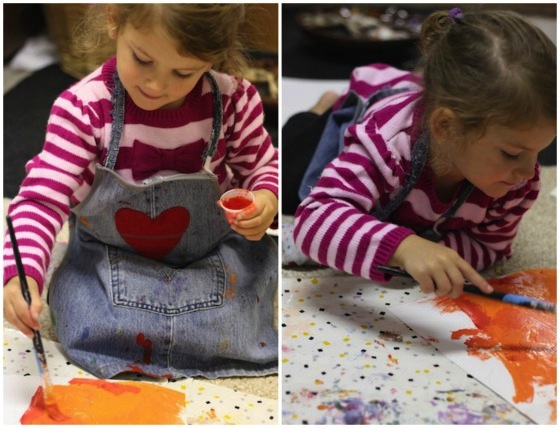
53 176
250 154
490 241
334 227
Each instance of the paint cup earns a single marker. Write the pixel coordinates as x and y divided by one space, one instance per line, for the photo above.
237 201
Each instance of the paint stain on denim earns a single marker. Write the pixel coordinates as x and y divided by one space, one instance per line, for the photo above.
147 345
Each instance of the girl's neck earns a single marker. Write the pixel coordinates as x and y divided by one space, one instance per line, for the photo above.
447 177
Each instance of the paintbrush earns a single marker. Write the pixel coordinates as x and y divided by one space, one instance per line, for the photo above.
48 393
514 299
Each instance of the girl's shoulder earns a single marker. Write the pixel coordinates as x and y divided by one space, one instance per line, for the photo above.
369 79
92 88
232 86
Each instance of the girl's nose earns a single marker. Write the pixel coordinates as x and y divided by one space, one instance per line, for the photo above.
155 84
526 169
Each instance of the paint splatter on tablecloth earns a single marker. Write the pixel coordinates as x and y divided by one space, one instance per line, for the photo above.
205 403
346 359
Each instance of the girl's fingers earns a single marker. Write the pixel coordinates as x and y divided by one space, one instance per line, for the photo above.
476 279
442 284
457 281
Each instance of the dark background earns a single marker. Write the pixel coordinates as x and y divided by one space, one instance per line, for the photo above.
306 57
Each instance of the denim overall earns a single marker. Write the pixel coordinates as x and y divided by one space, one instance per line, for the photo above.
331 145
155 281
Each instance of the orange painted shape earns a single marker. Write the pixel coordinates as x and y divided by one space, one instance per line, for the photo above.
97 401
523 339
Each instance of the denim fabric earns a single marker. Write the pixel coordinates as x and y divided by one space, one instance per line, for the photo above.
201 303
331 143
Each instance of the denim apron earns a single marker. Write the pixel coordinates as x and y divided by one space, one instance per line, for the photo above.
331 144
154 280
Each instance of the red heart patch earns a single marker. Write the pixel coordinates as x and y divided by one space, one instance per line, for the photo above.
152 238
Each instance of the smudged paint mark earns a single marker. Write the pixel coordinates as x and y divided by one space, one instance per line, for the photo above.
262 344
390 336
137 369
380 343
524 340
97 401
147 345
84 221
223 346
230 292
392 360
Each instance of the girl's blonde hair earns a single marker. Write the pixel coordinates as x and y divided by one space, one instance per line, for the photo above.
488 67
210 32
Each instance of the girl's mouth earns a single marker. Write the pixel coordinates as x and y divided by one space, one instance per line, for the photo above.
150 97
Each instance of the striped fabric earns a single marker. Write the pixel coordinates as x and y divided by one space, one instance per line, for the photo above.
334 227
78 133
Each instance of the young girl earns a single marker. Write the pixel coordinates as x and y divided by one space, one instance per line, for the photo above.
137 154
437 167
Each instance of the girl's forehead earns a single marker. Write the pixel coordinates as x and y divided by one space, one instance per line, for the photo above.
157 43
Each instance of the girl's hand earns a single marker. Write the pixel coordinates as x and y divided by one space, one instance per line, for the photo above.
16 311
437 268
254 223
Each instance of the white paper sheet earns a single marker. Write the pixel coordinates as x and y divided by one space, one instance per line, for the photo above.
429 322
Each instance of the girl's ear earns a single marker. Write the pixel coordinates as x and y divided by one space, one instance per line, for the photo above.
442 124
112 26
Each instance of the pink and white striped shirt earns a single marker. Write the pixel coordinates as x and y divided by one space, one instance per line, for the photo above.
334 225
78 135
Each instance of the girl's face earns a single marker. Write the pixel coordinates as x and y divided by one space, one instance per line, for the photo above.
153 72
503 156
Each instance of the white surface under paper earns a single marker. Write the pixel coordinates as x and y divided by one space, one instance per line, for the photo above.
301 94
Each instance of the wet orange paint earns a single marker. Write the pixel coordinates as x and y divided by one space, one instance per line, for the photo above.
97 401
523 339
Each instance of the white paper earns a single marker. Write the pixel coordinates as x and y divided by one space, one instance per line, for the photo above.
429 322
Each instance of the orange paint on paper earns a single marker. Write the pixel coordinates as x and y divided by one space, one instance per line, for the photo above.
523 339
97 401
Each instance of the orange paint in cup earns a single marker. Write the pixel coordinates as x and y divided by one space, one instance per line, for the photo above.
236 201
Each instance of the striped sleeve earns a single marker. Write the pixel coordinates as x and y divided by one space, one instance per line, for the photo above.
490 241
333 225
250 153
53 177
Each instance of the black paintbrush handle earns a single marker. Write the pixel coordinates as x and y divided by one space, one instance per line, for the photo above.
17 256
37 342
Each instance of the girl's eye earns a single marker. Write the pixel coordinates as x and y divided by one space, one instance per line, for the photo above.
509 155
183 76
139 61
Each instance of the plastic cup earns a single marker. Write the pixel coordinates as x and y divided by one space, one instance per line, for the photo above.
236 201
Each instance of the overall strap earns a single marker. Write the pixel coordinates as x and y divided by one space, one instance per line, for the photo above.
118 100
217 119
418 160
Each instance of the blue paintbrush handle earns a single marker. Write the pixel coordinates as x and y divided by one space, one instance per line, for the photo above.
514 299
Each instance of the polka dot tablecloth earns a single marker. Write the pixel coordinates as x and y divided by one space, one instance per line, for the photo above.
205 403
346 359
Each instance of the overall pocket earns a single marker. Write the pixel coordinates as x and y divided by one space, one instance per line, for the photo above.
142 283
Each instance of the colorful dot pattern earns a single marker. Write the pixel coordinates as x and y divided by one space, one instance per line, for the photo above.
346 359
205 403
